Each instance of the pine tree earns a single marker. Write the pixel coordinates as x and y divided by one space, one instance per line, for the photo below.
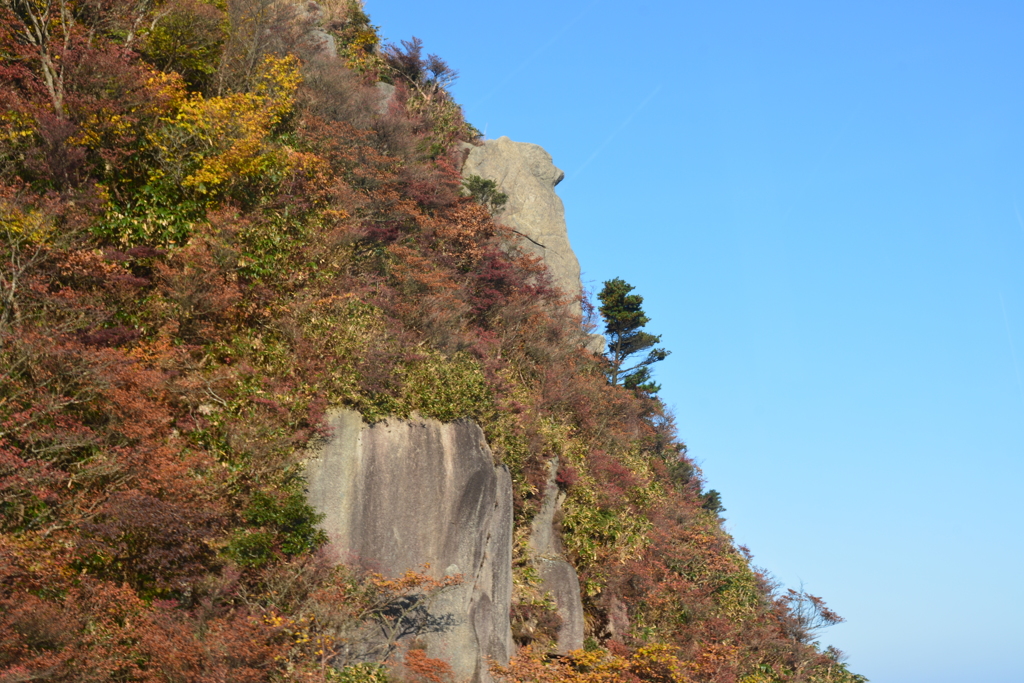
624 320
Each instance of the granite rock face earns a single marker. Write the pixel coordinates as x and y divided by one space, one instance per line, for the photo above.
386 95
316 42
526 173
403 493
558 577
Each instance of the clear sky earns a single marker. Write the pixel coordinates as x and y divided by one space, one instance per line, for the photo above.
822 204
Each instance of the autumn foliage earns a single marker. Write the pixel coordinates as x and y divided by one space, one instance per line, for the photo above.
210 232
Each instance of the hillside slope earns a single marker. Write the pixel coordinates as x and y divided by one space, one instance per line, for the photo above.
221 220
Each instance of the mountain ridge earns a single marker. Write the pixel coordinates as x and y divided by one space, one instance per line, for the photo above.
217 232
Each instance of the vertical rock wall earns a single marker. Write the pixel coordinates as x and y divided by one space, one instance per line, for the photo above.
526 173
403 493
558 577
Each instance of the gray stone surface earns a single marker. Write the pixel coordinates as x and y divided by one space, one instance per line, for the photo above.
321 44
596 343
316 43
526 173
617 625
386 93
558 577
403 493
310 11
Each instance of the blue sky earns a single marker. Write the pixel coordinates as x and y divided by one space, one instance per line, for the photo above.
822 205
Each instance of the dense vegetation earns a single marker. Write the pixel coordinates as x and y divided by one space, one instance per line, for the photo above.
209 235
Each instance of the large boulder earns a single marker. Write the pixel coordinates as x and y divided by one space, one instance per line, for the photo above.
526 173
401 494
315 41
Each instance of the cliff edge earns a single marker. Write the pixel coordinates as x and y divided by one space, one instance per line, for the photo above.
402 494
527 174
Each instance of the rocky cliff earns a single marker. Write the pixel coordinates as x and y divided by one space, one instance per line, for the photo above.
558 578
526 173
403 494
173 330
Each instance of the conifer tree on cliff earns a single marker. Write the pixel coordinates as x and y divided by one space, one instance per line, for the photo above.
624 320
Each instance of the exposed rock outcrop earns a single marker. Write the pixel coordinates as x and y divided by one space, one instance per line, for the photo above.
317 43
386 95
558 577
403 493
526 173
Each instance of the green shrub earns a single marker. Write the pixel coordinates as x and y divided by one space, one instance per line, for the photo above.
446 388
486 192
287 526
153 217
186 37
252 548
359 673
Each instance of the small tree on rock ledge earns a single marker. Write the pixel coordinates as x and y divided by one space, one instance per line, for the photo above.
624 320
